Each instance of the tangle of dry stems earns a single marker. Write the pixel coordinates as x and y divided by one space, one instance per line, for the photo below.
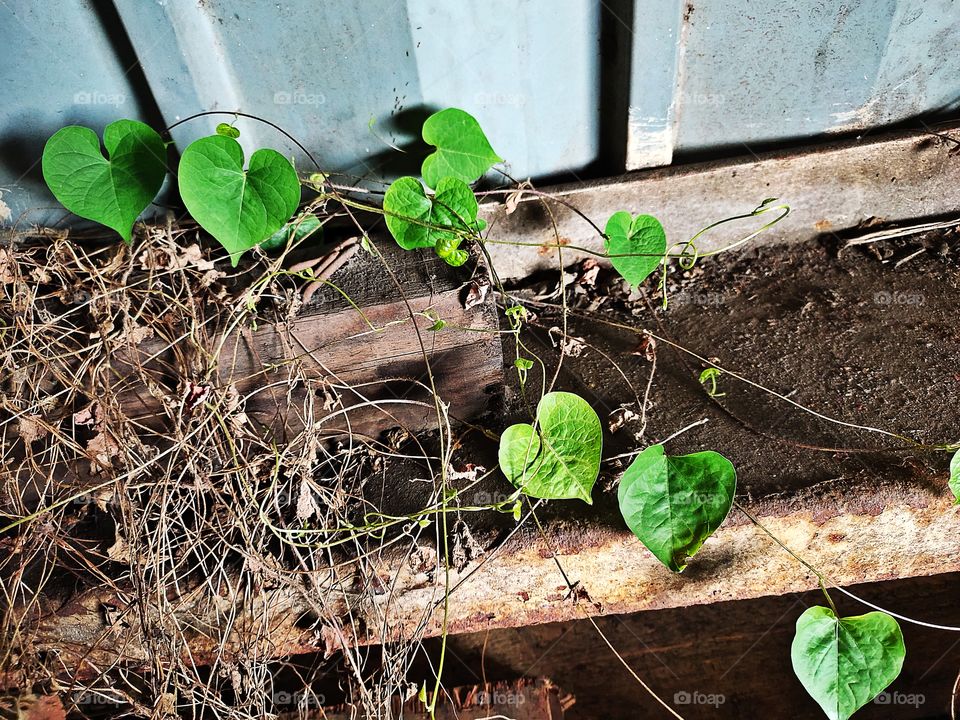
135 481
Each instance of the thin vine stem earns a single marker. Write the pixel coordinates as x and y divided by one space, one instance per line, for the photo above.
824 580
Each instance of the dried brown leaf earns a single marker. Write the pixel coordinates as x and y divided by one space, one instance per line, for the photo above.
45 707
102 448
120 550
8 266
31 428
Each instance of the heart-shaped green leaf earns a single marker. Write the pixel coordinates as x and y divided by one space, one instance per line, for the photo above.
416 220
673 504
955 475
640 241
845 663
561 458
112 192
463 151
239 208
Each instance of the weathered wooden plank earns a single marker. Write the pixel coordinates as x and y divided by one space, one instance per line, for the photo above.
871 534
372 355
831 188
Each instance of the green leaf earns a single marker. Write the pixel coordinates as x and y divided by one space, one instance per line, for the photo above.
228 130
640 240
673 504
239 208
293 232
955 476
418 221
463 151
112 192
561 458
708 378
845 663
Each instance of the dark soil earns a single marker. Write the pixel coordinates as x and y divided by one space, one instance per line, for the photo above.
848 334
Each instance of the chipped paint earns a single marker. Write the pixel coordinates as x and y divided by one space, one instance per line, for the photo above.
649 141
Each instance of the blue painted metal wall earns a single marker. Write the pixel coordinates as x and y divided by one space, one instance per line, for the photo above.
563 87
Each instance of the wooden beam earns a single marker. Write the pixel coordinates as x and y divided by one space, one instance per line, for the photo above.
725 660
362 346
831 188
870 534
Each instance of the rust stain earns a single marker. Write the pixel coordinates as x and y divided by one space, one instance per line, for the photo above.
612 575
550 247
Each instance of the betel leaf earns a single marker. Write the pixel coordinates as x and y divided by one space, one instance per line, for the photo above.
417 221
559 459
463 151
239 208
844 663
955 475
673 504
112 192
640 242
294 231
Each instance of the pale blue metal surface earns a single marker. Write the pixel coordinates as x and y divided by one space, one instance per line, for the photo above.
654 61
59 68
354 79
351 79
767 70
529 70
809 68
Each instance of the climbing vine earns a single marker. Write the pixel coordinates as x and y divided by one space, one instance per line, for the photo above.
672 504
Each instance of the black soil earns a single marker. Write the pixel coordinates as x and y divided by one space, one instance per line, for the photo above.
866 335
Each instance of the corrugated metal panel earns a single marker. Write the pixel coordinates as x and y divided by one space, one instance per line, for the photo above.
354 78
655 64
59 68
351 79
763 71
809 68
